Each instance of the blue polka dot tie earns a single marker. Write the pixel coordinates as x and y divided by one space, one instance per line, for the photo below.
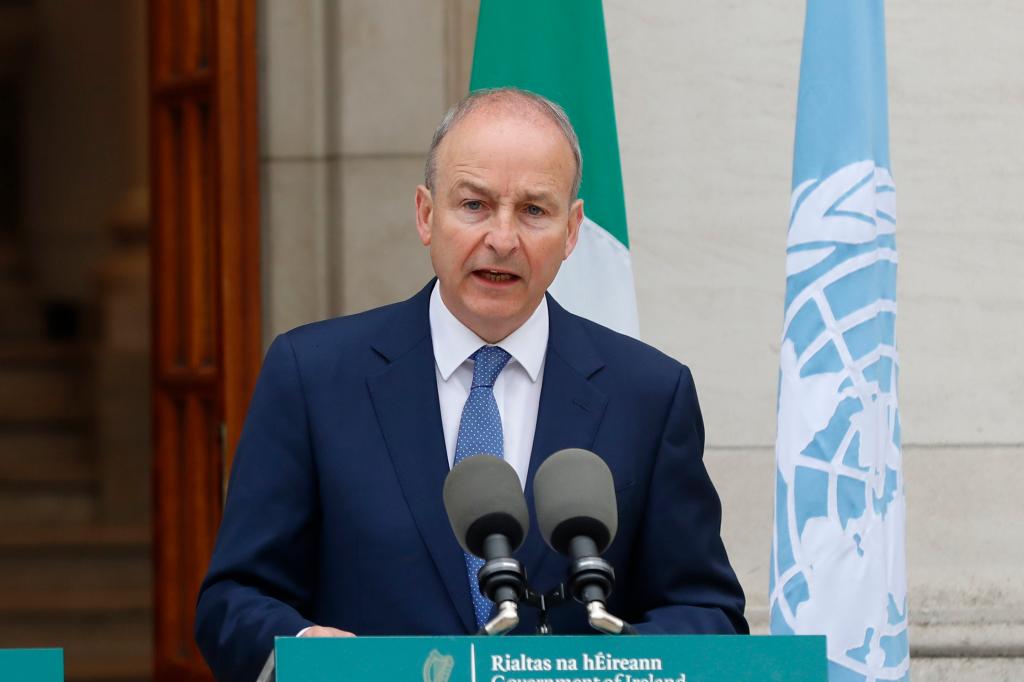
480 432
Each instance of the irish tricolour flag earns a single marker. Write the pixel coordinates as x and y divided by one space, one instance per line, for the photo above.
558 49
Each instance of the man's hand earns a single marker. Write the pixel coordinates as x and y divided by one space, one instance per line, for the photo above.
319 631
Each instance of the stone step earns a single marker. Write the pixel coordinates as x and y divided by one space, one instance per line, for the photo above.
125 667
45 473
74 603
75 538
25 472
41 390
14 284
43 446
12 258
68 354
34 506
86 589
22 319
34 493
102 625
15 272
22 314
90 557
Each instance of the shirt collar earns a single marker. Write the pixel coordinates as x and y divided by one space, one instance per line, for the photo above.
454 342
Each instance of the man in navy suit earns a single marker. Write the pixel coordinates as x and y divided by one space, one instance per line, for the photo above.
334 523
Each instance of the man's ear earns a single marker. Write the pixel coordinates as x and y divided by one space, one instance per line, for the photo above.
424 213
575 220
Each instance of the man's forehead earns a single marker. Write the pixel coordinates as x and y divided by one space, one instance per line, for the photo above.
540 184
491 117
514 108
494 134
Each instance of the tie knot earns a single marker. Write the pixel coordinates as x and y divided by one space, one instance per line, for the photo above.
488 363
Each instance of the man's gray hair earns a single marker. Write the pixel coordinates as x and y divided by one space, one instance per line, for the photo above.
505 96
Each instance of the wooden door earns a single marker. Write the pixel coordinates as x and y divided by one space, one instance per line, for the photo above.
206 326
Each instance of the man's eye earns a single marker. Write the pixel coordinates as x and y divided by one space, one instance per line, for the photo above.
535 210
473 205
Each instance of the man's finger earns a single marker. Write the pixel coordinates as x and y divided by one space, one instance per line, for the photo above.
320 631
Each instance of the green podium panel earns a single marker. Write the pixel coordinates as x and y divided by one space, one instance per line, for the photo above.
32 665
653 658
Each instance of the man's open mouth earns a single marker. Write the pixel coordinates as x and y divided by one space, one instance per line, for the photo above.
495 276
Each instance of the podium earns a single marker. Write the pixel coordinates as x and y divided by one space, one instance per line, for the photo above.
644 658
32 665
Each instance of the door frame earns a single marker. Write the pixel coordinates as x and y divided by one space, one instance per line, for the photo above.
207 344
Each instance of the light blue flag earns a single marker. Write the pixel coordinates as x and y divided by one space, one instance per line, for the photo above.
838 564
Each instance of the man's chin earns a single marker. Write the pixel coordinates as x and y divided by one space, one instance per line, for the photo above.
493 320
495 312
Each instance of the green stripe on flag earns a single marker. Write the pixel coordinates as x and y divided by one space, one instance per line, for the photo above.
557 48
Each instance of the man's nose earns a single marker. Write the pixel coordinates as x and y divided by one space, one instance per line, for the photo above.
503 235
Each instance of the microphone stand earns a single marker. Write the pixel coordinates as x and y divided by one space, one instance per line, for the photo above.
603 621
544 602
591 578
506 617
503 581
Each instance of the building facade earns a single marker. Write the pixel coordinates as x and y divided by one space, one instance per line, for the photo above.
705 98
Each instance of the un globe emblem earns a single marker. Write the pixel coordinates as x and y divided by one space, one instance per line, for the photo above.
839 489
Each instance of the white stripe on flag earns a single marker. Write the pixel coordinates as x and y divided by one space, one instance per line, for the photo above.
596 281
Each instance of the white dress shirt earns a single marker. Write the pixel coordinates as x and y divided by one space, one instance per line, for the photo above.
516 390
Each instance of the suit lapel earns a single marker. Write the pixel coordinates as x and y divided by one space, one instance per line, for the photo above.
405 400
570 409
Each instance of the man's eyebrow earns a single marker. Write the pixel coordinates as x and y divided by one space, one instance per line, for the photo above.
471 186
539 197
536 196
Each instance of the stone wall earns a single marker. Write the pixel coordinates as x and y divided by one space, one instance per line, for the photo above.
706 99
350 94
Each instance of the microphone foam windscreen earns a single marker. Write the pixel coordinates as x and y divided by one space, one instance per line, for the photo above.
575 495
483 496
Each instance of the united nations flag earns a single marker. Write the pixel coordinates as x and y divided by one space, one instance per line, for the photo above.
838 564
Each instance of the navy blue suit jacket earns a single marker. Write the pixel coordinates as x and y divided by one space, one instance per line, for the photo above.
334 513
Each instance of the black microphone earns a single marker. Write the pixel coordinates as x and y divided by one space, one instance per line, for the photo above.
576 511
488 515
